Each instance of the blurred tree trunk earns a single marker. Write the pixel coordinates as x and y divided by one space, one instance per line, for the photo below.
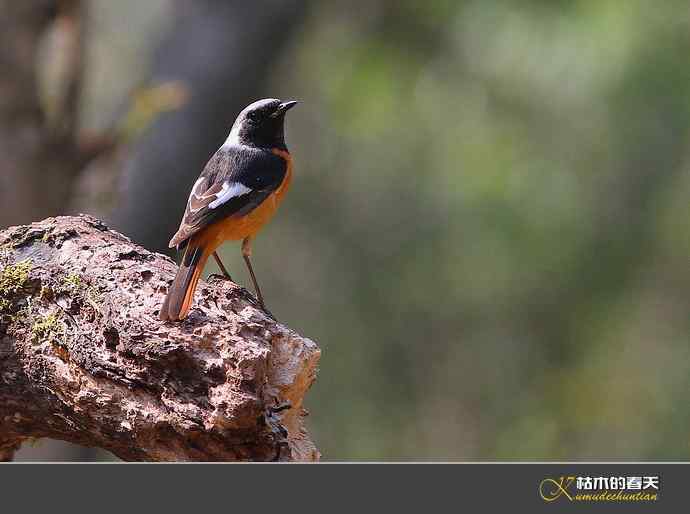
223 52
39 161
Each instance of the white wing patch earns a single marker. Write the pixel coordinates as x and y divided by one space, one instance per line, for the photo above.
229 190
194 194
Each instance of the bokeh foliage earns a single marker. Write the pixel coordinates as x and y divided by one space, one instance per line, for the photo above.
489 233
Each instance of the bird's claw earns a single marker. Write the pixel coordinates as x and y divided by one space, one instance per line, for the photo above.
221 277
270 314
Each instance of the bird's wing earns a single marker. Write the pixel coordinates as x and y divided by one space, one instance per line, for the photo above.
234 182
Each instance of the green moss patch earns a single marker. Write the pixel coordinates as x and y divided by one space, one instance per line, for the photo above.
13 278
47 328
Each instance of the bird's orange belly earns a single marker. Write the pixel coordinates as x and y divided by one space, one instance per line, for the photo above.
236 228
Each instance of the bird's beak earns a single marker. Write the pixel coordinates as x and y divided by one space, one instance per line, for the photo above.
286 106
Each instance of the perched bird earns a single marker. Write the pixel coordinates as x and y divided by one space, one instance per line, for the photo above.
238 191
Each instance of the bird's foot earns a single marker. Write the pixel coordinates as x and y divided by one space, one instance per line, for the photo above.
220 277
280 407
270 314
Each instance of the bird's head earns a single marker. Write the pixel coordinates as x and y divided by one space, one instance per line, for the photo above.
262 124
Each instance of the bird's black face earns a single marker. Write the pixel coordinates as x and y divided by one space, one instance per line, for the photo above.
262 123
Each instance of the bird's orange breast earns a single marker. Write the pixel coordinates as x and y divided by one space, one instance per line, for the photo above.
239 227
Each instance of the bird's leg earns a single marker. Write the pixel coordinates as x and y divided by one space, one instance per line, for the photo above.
247 253
221 266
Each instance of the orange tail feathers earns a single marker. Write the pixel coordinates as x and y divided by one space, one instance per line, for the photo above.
181 293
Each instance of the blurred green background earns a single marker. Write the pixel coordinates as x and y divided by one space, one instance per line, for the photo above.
488 233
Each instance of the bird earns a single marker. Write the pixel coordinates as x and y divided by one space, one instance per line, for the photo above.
236 194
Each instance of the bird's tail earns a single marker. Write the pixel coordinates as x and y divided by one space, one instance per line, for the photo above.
181 293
